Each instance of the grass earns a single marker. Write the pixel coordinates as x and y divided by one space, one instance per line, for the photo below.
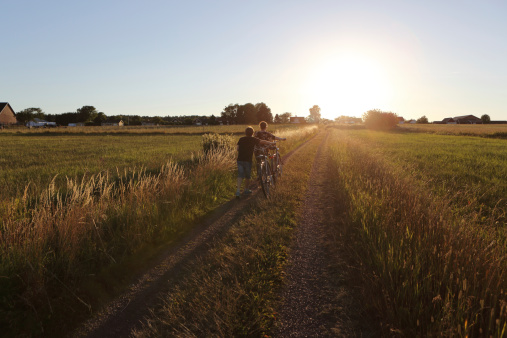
54 240
427 268
471 171
36 159
35 156
483 130
181 130
233 290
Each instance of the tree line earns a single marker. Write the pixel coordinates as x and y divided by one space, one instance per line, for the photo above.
248 113
90 117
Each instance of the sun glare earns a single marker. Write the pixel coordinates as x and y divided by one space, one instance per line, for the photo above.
347 85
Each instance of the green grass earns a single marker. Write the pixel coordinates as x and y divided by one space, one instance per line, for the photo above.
432 264
482 130
36 156
468 169
37 159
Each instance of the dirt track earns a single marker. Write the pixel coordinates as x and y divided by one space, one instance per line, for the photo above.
310 299
317 300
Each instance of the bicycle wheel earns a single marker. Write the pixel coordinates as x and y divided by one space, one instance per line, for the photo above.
266 178
278 168
273 166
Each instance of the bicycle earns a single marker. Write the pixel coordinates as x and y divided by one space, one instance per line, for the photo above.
276 163
269 168
264 172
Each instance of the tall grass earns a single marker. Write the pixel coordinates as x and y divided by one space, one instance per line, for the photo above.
428 271
51 241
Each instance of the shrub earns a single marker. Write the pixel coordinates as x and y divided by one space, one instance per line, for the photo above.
213 142
379 120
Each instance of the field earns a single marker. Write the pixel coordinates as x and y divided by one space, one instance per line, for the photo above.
428 216
422 219
482 130
36 156
123 193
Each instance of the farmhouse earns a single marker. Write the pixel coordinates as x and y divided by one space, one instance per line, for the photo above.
296 119
467 119
7 115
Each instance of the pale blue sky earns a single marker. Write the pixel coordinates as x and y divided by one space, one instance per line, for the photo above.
414 58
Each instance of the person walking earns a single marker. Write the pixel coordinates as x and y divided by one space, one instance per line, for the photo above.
245 147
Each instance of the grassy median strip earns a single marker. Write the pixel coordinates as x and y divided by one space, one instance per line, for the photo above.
232 291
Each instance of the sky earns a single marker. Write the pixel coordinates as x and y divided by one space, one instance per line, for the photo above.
167 58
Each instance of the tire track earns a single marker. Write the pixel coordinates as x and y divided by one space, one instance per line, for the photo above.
314 301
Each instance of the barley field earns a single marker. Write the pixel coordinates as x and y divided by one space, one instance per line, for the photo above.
428 220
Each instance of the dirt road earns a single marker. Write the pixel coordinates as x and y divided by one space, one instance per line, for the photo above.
313 305
317 300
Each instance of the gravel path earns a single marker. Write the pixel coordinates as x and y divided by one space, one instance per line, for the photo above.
315 300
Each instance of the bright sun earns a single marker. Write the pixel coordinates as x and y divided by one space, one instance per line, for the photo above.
347 85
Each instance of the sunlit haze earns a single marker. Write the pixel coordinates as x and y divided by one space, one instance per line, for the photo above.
159 58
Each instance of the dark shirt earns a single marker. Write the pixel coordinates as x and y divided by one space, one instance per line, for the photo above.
246 148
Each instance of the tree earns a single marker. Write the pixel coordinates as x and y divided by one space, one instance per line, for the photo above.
377 119
485 118
213 120
263 113
157 120
246 114
87 113
230 112
135 120
28 114
315 114
277 119
100 118
285 117
422 120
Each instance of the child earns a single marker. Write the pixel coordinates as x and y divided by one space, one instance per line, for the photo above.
246 146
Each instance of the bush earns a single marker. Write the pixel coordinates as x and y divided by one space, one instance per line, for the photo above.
213 142
377 119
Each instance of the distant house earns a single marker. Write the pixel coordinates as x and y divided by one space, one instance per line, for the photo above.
401 120
39 123
114 124
197 122
7 115
467 119
296 119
